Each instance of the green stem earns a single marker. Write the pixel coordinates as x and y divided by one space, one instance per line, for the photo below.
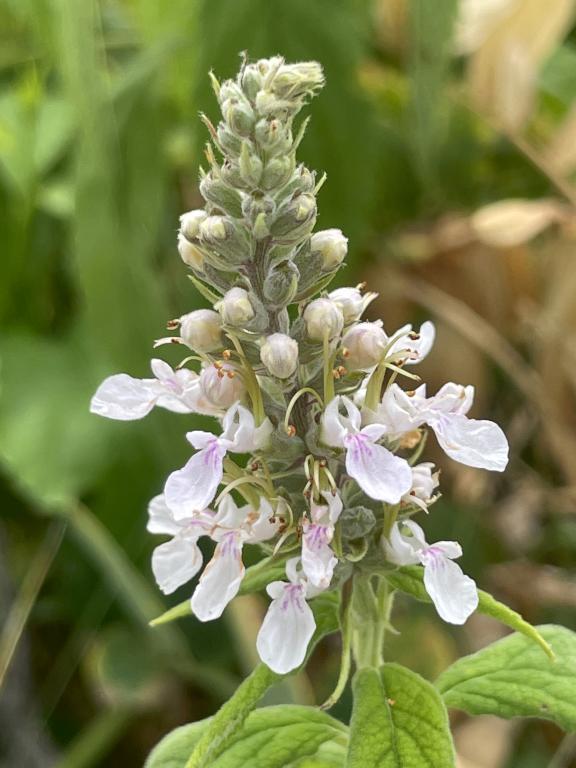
370 615
329 390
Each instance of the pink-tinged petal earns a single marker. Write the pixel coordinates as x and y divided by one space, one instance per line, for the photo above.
221 579
161 519
354 417
286 630
175 562
200 439
475 443
401 550
318 559
450 549
454 594
379 473
374 431
124 398
333 431
191 489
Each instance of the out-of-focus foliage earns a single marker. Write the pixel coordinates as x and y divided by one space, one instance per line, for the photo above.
447 131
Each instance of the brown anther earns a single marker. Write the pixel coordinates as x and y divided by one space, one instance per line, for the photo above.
227 354
291 430
255 466
345 352
335 373
414 336
411 392
218 364
341 370
175 341
171 325
362 286
230 374
307 494
322 462
220 373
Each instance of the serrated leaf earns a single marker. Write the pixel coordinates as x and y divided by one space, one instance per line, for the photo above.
514 677
274 737
409 580
398 721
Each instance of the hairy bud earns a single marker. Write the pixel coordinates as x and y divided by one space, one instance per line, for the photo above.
228 241
350 301
332 245
201 330
281 284
364 344
297 80
323 319
251 165
279 353
190 253
236 308
222 385
216 191
190 223
296 218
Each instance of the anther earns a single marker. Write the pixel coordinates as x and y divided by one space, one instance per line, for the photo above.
291 430
414 336
171 325
227 354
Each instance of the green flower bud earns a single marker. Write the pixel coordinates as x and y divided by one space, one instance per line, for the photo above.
281 284
277 172
250 165
230 173
293 81
239 115
273 136
279 353
295 218
251 80
333 247
323 318
216 191
225 240
302 180
236 308
230 143
201 330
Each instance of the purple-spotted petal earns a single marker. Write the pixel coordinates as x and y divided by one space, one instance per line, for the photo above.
191 489
286 630
221 579
379 473
175 562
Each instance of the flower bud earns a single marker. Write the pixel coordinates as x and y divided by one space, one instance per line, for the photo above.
190 223
277 172
350 301
364 344
279 353
222 385
236 308
272 136
239 115
227 240
201 330
295 80
323 318
190 253
332 245
216 191
424 483
251 80
250 165
230 143
295 218
281 284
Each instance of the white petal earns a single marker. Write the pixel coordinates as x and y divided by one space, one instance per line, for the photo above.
124 398
262 529
161 369
415 349
160 518
401 412
379 473
175 562
452 398
333 431
454 594
191 489
474 443
286 631
401 550
318 559
221 579
229 515
199 439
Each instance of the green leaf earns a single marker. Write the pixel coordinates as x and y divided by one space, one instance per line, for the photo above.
398 721
274 737
409 579
513 677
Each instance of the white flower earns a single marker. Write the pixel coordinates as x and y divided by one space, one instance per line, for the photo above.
233 527
279 353
318 559
222 385
352 302
125 398
332 245
477 443
365 345
412 347
235 307
424 483
289 623
454 595
176 561
200 330
379 473
323 317
193 487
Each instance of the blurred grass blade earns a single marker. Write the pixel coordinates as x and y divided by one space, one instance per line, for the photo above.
94 743
24 602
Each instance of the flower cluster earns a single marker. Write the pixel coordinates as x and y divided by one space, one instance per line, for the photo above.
299 382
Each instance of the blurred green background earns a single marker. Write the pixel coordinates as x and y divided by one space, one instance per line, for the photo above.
433 112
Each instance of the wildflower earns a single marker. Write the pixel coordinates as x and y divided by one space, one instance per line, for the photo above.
477 443
125 398
379 473
200 330
236 308
193 487
279 353
365 345
424 483
318 559
352 302
453 593
412 347
323 318
289 623
222 385
331 245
